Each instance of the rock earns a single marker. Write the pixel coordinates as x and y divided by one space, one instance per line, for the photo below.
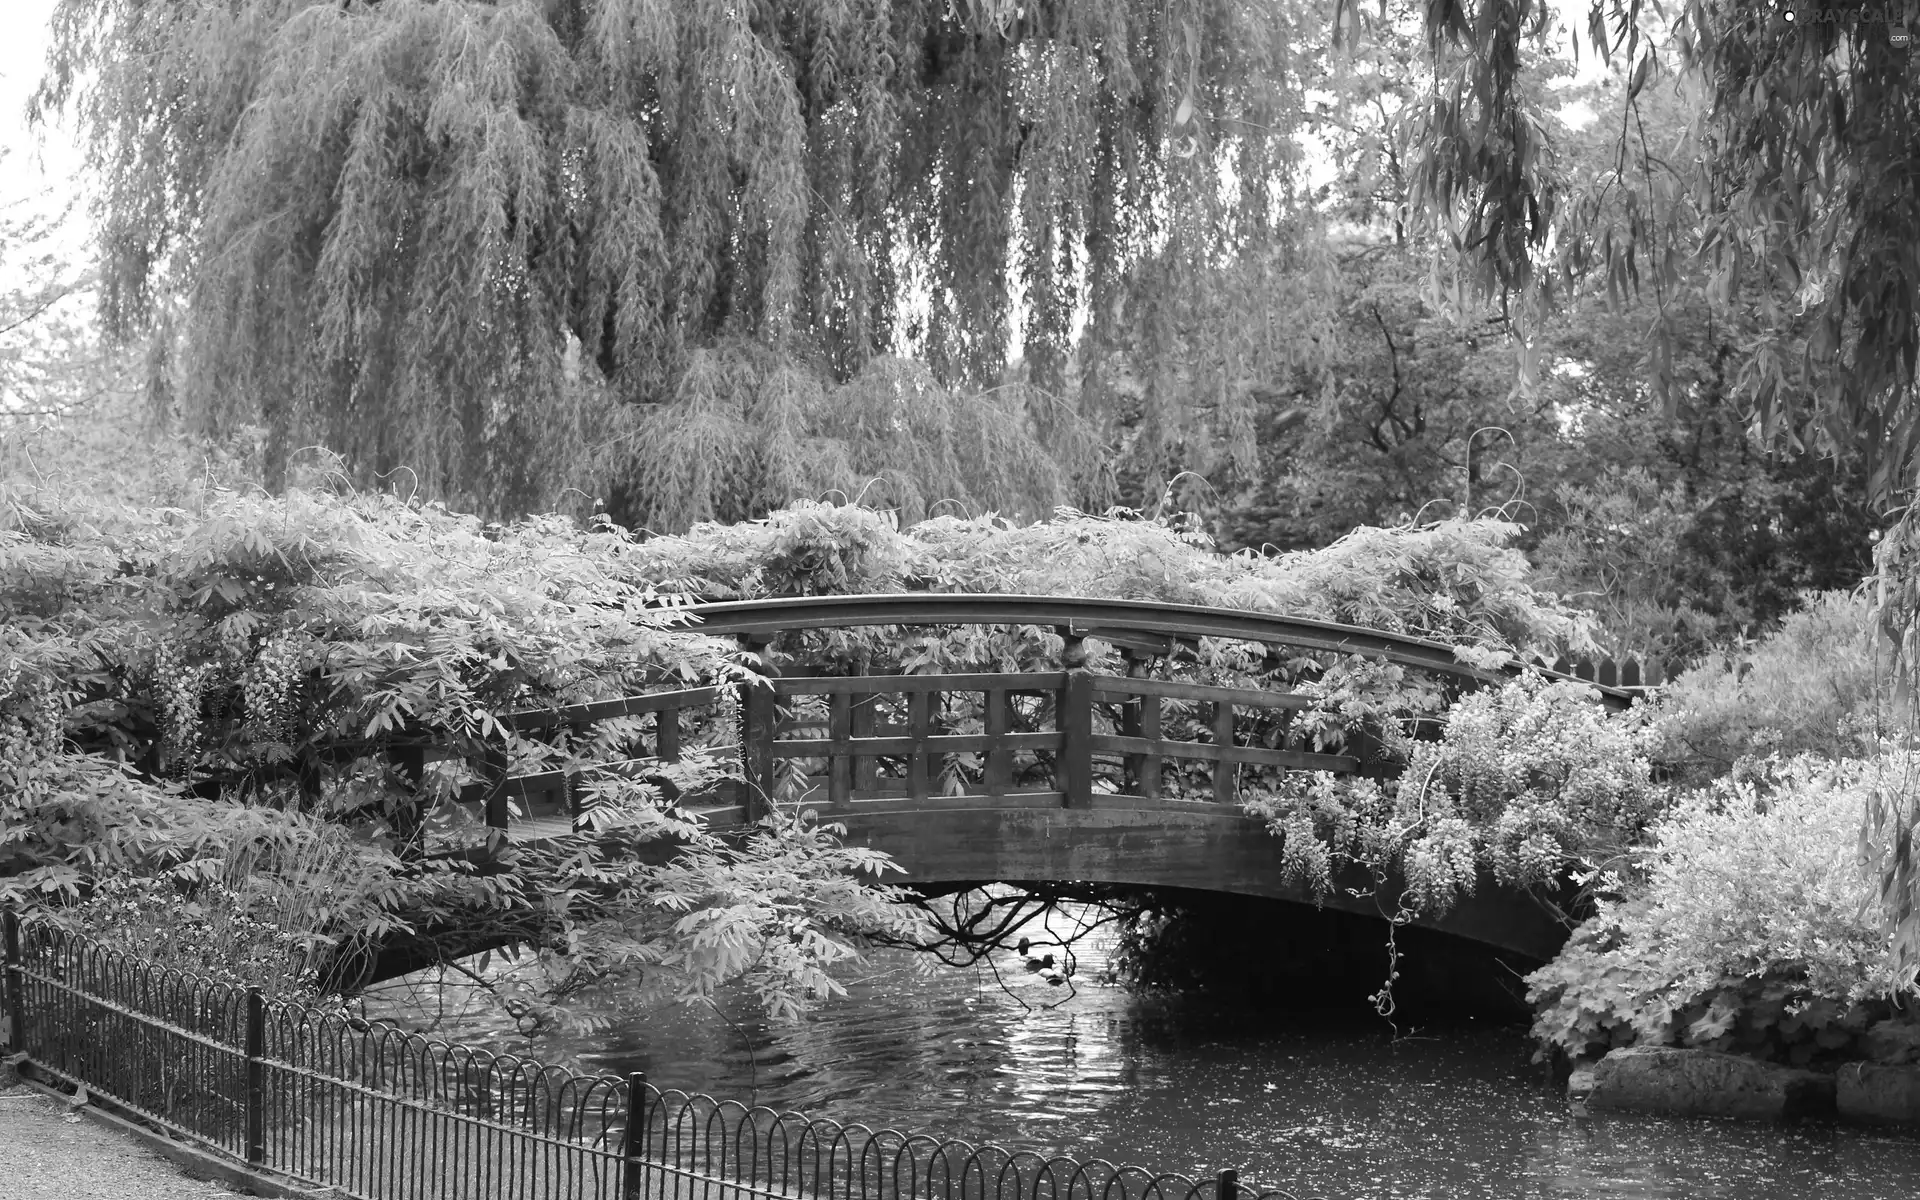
1580 1082
1893 1042
1879 1094
1707 1083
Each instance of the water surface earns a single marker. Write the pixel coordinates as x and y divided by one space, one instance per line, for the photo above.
1326 1106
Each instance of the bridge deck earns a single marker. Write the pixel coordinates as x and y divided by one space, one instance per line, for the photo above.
1123 840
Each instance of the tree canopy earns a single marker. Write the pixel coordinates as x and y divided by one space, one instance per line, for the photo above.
1802 165
697 261
491 242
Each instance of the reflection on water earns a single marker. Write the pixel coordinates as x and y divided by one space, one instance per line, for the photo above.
1322 1106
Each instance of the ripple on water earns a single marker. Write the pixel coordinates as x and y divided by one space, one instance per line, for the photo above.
1326 1107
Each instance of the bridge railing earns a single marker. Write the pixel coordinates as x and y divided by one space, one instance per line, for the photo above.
327 1100
898 719
497 788
1627 674
1070 737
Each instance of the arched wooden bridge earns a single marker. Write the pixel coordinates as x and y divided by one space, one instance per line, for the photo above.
1070 768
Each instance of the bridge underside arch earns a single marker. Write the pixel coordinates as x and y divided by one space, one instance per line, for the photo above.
1201 848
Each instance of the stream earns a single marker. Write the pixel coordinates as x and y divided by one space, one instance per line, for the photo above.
1331 1106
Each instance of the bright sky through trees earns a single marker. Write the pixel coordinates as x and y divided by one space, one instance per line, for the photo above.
43 166
36 161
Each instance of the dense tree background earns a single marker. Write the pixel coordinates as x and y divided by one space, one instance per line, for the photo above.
1264 261
1799 161
514 247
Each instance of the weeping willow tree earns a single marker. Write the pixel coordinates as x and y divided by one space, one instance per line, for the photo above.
1804 162
686 251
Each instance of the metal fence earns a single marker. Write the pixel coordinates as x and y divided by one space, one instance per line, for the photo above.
382 1114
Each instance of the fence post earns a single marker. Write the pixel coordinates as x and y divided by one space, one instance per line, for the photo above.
16 983
1229 1188
632 1182
256 1078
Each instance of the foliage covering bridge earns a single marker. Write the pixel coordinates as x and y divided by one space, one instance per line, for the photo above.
1035 776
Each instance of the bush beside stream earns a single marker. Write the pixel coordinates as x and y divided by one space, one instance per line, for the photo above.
1750 919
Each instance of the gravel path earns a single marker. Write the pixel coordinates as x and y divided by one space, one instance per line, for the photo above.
46 1154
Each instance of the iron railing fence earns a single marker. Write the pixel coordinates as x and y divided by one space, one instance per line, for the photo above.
378 1113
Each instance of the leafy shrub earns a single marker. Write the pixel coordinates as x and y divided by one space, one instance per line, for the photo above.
1808 687
215 932
1751 926
1524 781
119 447
236 893
1455 581
234 642
807 549
202 704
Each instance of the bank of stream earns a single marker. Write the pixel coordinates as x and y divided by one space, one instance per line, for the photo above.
1327 1105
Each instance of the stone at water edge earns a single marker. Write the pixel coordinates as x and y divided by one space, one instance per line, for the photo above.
1707 1083
1879 1095
1580 1081
1893 1042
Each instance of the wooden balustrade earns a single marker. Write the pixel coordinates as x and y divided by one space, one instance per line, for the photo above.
858 741
1625 674
1145 750
497 788
1083 738
875 755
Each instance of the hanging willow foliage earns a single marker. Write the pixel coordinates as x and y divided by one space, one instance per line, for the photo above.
1795 183
479 240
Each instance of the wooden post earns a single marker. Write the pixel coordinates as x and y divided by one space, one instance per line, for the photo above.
999 772
256 1050
1150 763
633 1156
407 824
1074 775
496 800
1130 722
840 757
866 768
1228 1186
575 790
758 706
666 735
1223 771
16 983
1073 716
1364 745
919 724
